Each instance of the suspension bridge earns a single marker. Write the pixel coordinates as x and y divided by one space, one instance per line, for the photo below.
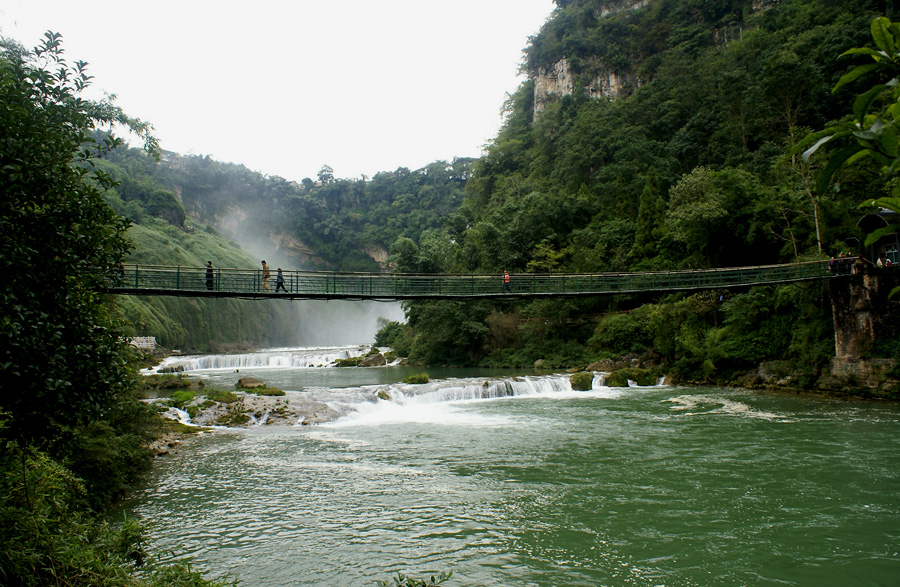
155 280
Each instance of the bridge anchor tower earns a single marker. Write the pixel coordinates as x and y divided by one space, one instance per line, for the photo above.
863 313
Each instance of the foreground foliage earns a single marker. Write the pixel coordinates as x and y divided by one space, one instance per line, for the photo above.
48 535
72 434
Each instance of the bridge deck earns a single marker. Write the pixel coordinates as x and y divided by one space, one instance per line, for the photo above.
248 283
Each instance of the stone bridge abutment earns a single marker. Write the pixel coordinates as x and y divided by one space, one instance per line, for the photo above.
863 314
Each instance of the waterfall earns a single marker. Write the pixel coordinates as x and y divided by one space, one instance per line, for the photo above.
272 358
440 401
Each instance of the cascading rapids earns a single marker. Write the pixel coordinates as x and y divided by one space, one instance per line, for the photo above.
273 358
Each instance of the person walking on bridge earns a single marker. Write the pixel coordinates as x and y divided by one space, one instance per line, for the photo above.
279 281
505 286
210 276
266 274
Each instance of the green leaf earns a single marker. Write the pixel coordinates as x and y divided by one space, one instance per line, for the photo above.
855 73
863 51
881 34
890 203
876 235
864 101
889 141
834 164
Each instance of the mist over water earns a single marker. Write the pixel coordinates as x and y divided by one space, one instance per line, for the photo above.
309 322
336 322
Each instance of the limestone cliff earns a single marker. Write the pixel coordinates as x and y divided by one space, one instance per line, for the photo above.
599 79
559 80
595 78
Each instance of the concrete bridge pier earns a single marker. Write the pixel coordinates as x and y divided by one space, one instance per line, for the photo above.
863 313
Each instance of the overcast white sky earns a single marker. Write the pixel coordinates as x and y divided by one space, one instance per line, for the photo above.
287 86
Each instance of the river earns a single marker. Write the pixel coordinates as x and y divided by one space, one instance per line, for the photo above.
543 487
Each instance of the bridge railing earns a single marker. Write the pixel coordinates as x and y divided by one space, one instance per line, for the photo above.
154 279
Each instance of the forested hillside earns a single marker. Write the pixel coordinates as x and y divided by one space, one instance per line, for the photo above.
652 134
188 210
669 148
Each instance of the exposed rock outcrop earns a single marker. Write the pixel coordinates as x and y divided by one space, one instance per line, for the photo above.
250 383
373 360
560 80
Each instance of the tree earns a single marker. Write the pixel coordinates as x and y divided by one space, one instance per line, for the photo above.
874 130
326 174
61 356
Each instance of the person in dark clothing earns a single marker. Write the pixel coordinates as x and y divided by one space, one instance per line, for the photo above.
279 281
210 276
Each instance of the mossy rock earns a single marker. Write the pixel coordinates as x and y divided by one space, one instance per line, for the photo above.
222 396
237 419
246 383
620 377
616 379
351 362
383 395
581 381
417 379
271 391
176 427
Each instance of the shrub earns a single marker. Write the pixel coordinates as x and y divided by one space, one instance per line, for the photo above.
48 538
388 334
620 334
180 398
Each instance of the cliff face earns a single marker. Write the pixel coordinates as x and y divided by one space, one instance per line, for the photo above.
617 6
598 79
603 82
559 80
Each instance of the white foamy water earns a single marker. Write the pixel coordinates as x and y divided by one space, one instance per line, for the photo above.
443 401
696 405
306 374
290 358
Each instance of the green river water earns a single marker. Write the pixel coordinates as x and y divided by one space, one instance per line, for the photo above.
652 486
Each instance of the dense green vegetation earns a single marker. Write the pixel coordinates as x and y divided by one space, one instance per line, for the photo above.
72 435
691 166
696 163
